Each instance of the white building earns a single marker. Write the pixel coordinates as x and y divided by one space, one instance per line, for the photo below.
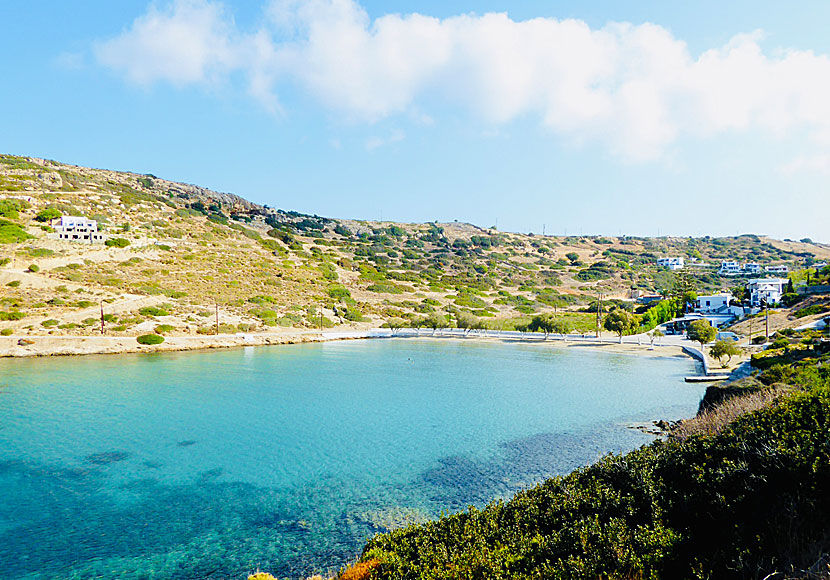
752 268
77 229
671 263
729 268
780 269
766 290
713 303
820 265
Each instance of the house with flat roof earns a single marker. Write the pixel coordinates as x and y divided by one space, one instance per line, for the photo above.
715 303
752 268
76 229
730 268
777 269
766 290
671 263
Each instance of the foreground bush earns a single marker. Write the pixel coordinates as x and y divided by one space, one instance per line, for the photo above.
150 339
746 502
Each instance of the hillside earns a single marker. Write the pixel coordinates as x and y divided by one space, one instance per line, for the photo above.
178 251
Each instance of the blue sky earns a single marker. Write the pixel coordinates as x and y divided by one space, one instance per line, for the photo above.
615 117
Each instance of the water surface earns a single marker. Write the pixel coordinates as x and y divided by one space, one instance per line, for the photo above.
210 465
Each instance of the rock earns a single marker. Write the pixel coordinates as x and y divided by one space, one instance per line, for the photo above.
25 342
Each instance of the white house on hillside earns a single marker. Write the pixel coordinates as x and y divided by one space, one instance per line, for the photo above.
713 303
752 268
766 290
671 263
76 229
780 269
729 268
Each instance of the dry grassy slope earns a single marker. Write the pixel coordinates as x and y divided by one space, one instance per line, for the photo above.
266 268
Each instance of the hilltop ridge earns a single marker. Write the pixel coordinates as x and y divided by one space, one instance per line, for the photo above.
177 251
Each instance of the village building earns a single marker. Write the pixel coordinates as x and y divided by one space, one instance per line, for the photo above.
712 304
766 290
752 268
76 229
671 263
779 269
729 268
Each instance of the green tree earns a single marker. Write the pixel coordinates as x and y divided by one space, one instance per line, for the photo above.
395 324
560 326
724 348
701 331
47 214
572 256
541 323
436 321
620 321
654 334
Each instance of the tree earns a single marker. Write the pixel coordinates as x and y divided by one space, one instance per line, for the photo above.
790 288
436 321
620 321
47 214
466 321
701 331
724 348
656 333
572 256
561 326
395 324
541 323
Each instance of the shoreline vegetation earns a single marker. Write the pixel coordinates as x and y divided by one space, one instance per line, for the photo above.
49 345
741 490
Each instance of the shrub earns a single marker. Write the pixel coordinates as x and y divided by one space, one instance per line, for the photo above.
153 311
11 315
47 214
117 243
49 323
6 332
13 284
338 292
34 268
164 328
11 233
150 339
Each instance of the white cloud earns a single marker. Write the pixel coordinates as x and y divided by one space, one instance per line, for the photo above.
375 141
634 88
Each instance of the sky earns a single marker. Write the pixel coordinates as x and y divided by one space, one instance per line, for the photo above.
610 117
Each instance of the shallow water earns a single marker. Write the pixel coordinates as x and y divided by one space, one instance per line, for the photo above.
210 465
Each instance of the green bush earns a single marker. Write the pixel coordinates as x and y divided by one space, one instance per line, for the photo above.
11 315
117 243
741 504
11 233
338 292
49 323
47 214
164 328
34 268
6 332
14 284
150 339
153 311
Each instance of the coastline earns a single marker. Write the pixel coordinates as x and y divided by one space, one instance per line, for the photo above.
69 345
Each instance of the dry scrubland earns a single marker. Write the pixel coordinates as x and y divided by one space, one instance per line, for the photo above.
178 252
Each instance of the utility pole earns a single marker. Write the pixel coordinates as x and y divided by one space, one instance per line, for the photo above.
321 317
102 317
543 233
766 321
599 311
216 306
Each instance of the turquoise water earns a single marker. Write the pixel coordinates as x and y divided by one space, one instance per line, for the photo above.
210 465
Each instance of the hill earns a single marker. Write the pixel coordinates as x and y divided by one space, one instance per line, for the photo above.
177 252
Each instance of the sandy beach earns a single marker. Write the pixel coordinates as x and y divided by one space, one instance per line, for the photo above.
57 345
